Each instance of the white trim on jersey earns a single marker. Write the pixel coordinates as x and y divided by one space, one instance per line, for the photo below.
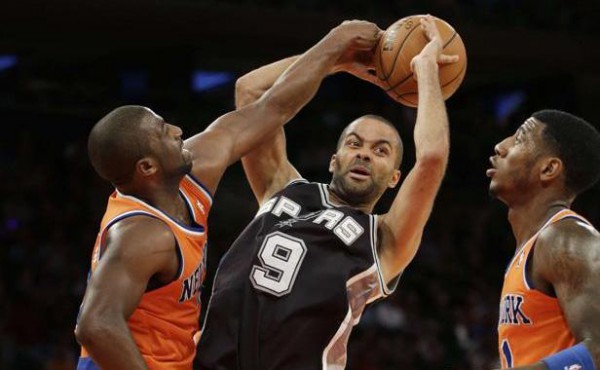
184 228
190 204
352 318
385 288
294 181
324 193
566 213
347 322
197 184
368 272
518 251
137 212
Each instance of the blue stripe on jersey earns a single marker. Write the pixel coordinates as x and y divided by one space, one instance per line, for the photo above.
528 278
86 363
119 218
200 184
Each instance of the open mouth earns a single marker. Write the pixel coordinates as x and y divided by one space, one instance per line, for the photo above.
360 173
492 170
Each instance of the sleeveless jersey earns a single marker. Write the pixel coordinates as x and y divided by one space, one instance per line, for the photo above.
165 324
531 325
291 287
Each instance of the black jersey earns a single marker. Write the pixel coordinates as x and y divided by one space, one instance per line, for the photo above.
292 286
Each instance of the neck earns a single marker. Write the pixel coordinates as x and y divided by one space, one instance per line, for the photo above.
165 197
527 218
338 199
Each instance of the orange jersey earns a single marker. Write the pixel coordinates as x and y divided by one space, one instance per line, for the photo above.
165 324
531 325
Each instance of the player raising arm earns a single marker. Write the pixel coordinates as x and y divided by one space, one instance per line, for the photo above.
141 307
293 284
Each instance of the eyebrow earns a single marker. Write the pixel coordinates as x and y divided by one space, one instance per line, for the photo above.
382 141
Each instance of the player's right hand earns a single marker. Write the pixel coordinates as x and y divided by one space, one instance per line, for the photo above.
360 39
358 35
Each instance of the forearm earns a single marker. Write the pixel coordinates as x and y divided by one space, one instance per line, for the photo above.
251 86
300 81
111 346
291 91
431 132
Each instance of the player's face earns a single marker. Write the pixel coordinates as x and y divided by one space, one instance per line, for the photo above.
513 167
168 148
364 164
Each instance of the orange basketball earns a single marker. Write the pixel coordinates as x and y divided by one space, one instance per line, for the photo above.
401 42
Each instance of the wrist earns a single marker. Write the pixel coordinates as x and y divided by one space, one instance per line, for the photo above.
568 358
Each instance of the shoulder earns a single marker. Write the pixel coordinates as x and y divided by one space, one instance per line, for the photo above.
566 248
140 234
569 235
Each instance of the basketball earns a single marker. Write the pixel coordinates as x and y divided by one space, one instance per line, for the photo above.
400 43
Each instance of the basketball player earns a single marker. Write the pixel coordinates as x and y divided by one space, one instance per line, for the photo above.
296 281
550 304
141 307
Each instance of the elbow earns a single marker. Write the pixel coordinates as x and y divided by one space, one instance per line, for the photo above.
244 92
90 330
434 159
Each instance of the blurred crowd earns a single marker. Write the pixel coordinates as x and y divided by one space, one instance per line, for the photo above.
551 15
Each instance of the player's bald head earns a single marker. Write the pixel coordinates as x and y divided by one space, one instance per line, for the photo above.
118 141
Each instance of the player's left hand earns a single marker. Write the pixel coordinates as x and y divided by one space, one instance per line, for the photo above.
432 52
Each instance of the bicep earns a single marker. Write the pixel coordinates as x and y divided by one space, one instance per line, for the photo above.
576 288
267 167
229 138
570 261
133 255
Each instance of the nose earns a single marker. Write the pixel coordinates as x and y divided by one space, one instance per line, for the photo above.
176 130
500 148
363 155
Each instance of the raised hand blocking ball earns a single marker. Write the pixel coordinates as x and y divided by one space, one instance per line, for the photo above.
400 43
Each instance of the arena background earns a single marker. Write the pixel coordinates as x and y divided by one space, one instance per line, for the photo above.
64 64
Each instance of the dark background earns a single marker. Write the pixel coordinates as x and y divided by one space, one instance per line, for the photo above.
64 64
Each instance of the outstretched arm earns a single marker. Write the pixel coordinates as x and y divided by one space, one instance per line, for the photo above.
236 133
267 167
567 255
137 249
402 227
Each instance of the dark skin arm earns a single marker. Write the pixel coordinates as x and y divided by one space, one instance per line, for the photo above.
267 166
566 263
233 135
137 249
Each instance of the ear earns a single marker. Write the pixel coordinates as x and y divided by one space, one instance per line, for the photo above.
394 180
551 169
332 163
146 166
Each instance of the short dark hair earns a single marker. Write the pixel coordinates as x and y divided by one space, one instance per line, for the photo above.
384 121
115 143
577 143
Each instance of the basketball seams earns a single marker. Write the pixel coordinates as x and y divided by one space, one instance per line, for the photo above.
398 52
411 74
458 75
399 81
